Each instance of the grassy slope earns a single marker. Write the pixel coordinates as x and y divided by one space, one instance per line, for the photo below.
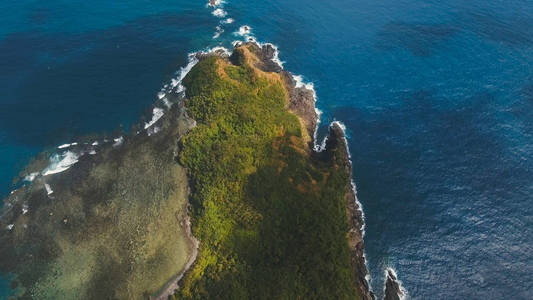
112 229
271 219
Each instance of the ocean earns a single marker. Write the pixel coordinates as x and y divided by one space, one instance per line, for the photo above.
436 97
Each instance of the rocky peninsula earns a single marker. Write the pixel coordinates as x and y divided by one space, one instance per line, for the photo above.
228 199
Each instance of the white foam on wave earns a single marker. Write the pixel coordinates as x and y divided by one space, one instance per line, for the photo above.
403 294
67 145
61 162
218 32
301 84
176 85
219 13
118 141
176 82
228 21
48 188
31 176
244 31
218 49
215 3
157 113
167 103
95 143
276 57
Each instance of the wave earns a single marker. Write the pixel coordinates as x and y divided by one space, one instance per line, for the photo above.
31 176
61 162
118 141
215 3
244 31
228 21
156 115
67 145
219 13
218 32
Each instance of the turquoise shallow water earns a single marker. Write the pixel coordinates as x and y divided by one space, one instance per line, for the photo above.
437 98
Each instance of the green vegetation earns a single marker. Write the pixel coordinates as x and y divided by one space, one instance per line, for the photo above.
270 217
112 229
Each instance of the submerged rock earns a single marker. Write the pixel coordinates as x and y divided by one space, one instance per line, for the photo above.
112 228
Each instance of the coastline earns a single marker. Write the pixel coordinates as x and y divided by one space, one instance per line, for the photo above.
302 102
336 142
173 285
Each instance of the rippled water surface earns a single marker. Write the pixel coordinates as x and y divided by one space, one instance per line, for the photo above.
437 98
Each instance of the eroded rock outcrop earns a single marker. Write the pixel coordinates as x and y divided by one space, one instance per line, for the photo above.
393 289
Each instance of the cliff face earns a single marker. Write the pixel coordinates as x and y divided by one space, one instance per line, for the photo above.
295 204
337 149
301 99
302 103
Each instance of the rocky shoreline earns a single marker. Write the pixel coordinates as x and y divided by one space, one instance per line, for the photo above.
336 143
302 103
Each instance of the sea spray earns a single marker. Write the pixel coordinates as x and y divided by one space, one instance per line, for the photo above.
31 176
215 3
118 141
219 13
64 146
157 114
60 162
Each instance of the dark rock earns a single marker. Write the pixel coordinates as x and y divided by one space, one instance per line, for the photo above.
301 99
393 291
266 54
302 103
337 151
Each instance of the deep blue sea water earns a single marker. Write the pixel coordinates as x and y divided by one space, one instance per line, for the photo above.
437 98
